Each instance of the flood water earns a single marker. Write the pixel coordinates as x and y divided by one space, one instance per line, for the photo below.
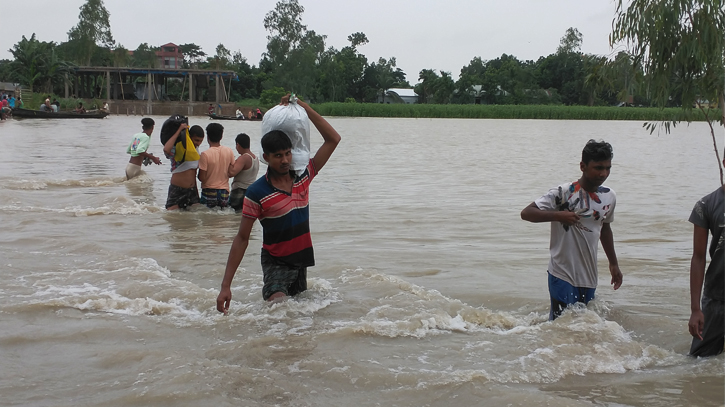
429 289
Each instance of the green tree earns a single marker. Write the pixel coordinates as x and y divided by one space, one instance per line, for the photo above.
93 30
193 53
570 42
426 85
384 75
33 61
222 59
293 51
469 85
120 56
272 96
342 71
680 45
145 56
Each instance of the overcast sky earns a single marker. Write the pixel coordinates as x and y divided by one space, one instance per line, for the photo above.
420 34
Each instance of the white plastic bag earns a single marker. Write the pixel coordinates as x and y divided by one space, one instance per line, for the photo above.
293 121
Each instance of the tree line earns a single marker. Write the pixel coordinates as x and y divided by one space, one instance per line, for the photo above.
297 59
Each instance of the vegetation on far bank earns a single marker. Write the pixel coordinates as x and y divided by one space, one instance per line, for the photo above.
552 112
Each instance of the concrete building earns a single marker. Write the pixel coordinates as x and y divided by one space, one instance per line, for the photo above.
170 56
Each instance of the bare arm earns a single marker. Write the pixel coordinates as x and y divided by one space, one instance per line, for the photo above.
329 134
236 253
172 141
697 276
532 213
607 239
243 162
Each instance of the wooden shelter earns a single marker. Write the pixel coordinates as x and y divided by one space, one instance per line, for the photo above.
149 85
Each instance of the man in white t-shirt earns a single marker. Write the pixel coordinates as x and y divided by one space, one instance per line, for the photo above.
580 213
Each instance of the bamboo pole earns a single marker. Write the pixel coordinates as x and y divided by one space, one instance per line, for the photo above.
229 92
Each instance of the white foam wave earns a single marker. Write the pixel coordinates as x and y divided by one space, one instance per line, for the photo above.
117 206
34 184
411 310
133 286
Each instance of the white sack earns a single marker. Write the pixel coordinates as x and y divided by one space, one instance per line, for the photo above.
293 121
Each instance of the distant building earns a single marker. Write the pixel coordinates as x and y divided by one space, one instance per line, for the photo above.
10 89
170 56
399 95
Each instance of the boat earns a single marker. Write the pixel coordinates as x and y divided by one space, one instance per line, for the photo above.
37 114
220 117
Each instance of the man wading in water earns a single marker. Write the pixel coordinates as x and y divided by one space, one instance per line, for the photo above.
280 200
580 213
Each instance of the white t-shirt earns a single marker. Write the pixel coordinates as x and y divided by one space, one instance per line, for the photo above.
573 249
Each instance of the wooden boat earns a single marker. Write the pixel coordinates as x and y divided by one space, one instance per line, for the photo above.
37 114
220 117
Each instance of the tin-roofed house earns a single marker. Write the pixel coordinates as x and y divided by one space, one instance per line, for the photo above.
399 95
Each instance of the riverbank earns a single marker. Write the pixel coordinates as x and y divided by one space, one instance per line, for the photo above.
553 112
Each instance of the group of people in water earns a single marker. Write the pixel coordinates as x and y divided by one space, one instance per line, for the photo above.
580 214
213 167
7 104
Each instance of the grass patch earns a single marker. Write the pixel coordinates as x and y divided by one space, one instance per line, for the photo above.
545 112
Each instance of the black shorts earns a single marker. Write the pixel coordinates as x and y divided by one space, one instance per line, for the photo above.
236 198
280 277
183 197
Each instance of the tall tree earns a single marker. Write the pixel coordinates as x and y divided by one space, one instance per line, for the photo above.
293 52
145 56
34 62
384 75
680 45
121 57
286 31
571 41
222 59
192 53
93 29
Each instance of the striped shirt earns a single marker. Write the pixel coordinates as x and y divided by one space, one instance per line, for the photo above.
285 218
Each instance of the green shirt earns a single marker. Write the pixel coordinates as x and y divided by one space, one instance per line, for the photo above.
139 144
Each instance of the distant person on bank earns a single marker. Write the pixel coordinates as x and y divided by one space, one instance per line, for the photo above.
707 320
139 149
580 213
280 200
46 106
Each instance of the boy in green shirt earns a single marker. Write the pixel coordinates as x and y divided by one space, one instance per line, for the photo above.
138 147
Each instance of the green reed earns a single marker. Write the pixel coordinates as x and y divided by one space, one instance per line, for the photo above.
550 112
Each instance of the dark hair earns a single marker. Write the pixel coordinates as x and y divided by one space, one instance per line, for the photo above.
147 123
597 151
243 140
196 131
214 131
274 141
